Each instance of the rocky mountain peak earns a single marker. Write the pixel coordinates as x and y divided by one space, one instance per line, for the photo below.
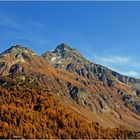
12 59
17 50
13 49
64 51
63 48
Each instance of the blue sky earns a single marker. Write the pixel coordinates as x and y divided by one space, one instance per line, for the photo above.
107 33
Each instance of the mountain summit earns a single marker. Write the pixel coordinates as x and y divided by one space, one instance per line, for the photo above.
65 54
12 60
63 48
17 49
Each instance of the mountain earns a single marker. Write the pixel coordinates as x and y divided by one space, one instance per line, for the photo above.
66 58
69 59
21 60
91 93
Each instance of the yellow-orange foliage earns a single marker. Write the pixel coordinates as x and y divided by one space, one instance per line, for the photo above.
31 113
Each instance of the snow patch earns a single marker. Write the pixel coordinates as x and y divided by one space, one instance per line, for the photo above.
122 83
5 55
22 60
53 58
32 54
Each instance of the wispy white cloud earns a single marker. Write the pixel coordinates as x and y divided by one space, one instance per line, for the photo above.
113 59
22 29
121 62
110 59
19 24
118 60
126 65
135 63
131 73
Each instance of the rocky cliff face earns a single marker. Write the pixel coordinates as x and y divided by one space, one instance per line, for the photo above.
66 58
11 59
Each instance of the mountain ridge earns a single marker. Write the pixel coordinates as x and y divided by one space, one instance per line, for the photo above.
79 65
57 49
69 75
70 50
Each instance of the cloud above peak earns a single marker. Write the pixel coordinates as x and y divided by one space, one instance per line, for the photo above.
113 59
123 64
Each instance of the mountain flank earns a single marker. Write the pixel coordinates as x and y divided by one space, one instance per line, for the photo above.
92 93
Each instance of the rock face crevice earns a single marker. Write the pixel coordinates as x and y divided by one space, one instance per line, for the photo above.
15 68
3 67
73 91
